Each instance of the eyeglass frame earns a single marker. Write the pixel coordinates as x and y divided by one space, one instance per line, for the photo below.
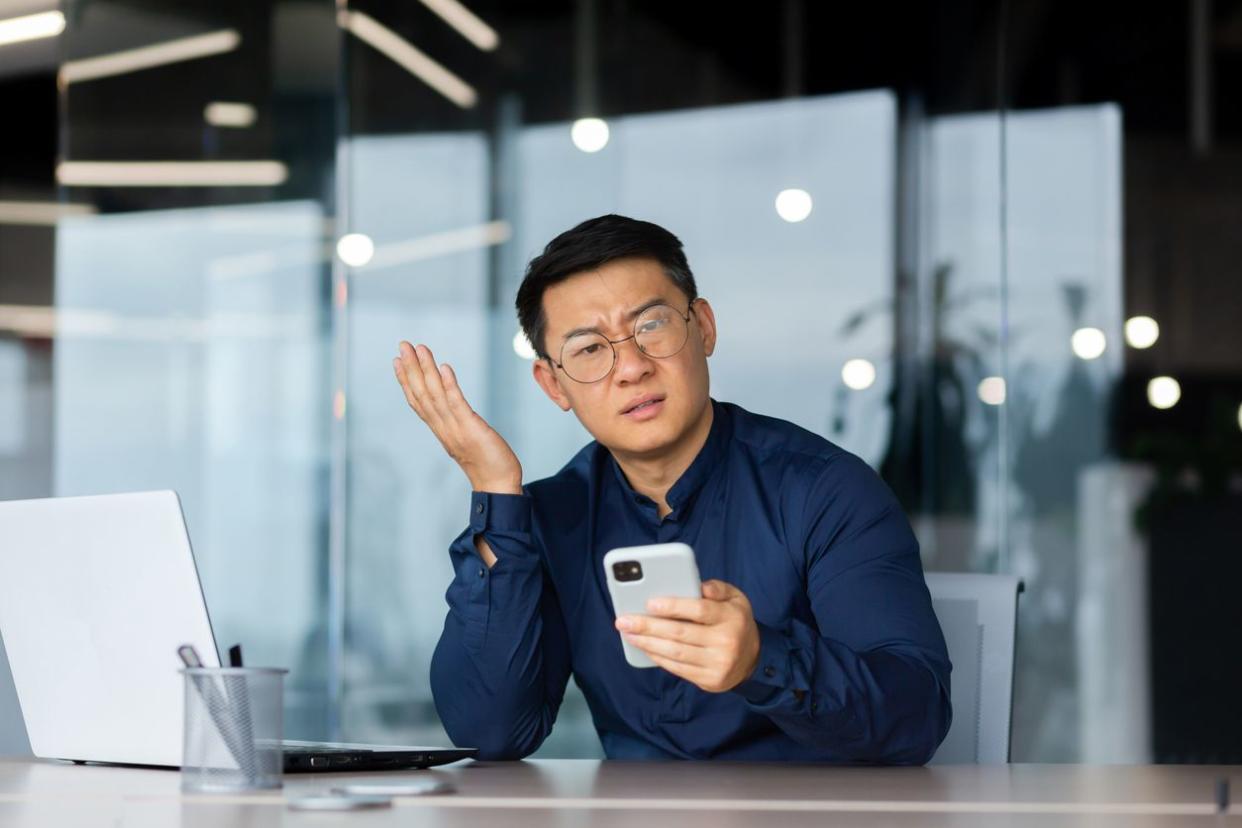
613 343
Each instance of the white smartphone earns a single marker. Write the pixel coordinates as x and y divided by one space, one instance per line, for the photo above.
636 573
396 788
337 802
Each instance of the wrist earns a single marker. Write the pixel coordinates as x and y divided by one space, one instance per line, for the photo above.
509 487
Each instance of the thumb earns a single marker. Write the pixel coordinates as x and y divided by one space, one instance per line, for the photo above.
719 590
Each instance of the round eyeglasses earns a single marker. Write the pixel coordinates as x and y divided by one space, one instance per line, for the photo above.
660 332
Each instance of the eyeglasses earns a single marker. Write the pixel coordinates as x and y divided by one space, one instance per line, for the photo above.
660 332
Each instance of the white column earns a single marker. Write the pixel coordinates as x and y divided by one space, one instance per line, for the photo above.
1112 636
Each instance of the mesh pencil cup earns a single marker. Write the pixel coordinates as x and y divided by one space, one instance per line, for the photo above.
234 720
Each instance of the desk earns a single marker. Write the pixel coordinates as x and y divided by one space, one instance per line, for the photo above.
688 795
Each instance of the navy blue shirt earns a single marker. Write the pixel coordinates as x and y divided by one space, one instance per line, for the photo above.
852 664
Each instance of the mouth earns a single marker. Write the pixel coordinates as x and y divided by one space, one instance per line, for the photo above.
644 405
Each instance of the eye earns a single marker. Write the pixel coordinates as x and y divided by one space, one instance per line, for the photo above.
652 325
589 350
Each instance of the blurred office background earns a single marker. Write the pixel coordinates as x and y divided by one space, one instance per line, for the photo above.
992 247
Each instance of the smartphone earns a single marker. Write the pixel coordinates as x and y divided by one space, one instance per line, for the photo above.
636 573
336 802
421 788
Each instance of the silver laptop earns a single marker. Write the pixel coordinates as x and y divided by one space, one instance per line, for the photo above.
96 595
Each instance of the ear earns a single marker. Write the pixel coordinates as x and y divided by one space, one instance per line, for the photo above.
545 375
707 324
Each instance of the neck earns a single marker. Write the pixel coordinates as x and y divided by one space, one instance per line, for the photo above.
653 476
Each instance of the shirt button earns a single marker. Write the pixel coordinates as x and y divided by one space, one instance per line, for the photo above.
769 672
482 572
478 508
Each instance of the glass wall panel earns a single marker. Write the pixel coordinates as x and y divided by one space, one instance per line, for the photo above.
782 292
189 327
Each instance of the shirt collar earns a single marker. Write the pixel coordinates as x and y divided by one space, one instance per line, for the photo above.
701 469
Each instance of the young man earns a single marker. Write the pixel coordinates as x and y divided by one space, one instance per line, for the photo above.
814 639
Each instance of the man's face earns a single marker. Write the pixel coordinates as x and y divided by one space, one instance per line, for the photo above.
607 300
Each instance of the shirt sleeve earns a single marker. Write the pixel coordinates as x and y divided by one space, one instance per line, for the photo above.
871 676
499 671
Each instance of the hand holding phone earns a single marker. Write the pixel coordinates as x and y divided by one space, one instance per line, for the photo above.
638 573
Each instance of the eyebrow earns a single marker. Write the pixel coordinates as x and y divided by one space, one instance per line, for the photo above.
633 314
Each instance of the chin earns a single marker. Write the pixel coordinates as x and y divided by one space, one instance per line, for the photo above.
642 438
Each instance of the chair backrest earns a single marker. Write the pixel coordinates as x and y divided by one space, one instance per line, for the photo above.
13 741
978 614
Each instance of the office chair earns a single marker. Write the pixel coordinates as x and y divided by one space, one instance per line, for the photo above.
978 614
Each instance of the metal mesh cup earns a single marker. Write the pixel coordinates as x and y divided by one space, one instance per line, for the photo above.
233 727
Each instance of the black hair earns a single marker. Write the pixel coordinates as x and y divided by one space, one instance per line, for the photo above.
591 244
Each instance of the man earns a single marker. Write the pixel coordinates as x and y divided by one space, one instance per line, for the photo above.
814 639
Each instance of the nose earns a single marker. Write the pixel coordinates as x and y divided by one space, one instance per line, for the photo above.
632 364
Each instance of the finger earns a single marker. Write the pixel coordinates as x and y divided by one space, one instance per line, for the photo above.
663 628
452 392
672 650
413 372
455 412
689 609
431 378
415 375
398 368
720 591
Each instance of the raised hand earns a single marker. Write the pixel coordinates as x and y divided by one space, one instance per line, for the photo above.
433 393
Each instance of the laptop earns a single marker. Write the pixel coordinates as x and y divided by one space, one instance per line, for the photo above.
96 595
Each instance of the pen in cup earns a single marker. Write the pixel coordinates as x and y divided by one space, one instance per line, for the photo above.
238 691
220 712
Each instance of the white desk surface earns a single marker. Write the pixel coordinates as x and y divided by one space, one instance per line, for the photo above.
587 792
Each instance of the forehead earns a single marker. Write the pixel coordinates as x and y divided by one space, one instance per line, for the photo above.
605 294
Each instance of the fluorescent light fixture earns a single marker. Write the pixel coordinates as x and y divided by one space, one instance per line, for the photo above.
31 27
440 244
1142 332
589 134
230 114
35 321
858 374
171 173
522 346
146 57
408 57
40 212
992 390
793 205
465 22
1163 392
47 322
355 249
1088 343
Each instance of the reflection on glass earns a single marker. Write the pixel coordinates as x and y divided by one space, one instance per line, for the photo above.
1163 392
708 174
1142 332
197 370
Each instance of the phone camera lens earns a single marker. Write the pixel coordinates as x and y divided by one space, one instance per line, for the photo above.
625 571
